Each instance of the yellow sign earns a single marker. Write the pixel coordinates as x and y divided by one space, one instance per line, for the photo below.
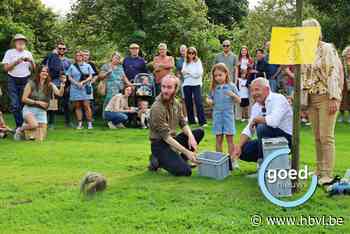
294 45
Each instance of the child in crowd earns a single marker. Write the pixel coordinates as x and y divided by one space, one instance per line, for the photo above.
222 97
243 91
143 113
145 88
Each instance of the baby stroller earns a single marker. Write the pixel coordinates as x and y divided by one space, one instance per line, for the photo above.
145 88
145 92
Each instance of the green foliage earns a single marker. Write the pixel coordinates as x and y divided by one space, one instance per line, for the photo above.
227 12
335 20
31 18
40 188
146 22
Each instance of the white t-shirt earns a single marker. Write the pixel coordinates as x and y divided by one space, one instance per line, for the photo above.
244 63
243 89
22 69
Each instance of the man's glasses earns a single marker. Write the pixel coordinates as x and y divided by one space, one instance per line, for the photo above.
226 46
61 48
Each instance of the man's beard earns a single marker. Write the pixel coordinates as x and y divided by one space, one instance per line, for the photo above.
172 97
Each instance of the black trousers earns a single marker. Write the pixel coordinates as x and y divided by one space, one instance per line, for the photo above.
171 161
190 93
64 104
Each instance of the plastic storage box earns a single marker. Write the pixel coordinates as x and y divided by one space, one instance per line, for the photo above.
214 165
282 187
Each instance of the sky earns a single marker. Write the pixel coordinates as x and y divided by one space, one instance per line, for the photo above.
62 7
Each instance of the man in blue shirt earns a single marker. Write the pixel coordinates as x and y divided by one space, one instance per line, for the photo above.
58 64
134 64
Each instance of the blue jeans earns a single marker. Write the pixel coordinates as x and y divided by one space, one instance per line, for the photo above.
194 91
252 150
115 117
15 88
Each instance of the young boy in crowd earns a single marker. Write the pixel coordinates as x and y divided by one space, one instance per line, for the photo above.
144 113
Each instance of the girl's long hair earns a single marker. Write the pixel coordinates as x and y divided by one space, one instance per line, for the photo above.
240 53
47 87
223 68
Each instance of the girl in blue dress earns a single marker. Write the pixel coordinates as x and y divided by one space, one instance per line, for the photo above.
222 96
80 76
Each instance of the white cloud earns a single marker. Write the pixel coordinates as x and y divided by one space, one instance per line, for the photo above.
61 7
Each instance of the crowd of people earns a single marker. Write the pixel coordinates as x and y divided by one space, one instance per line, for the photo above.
242 88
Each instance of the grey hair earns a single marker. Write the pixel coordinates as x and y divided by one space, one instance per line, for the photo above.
183 47
162 46
228 42
313 23
261 81
346 51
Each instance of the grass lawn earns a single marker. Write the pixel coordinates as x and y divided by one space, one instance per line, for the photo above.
39 191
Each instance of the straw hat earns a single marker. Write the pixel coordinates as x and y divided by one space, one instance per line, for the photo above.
19 37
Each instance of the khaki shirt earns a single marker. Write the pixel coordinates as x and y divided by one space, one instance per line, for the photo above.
164 119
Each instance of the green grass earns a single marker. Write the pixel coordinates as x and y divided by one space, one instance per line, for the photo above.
39 189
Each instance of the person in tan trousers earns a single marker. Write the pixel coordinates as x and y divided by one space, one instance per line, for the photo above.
322 82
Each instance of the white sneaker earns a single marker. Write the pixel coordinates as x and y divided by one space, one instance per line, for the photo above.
111 125
120 125
90 126
80 126
18 136
235 165
303 120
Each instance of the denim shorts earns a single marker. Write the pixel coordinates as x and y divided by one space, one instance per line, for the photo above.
39 114
223 123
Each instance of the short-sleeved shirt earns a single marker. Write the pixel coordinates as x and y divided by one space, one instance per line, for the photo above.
133 66
76 93
57 65
165 118
21 70
223 102
230 60
115 82
160 73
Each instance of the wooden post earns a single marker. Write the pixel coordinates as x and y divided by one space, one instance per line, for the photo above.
296 103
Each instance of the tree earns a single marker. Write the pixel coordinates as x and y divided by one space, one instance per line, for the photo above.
227 12
31 18
147 22
335 20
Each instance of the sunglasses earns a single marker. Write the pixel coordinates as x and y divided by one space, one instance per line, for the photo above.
61 48
191 53
226 46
